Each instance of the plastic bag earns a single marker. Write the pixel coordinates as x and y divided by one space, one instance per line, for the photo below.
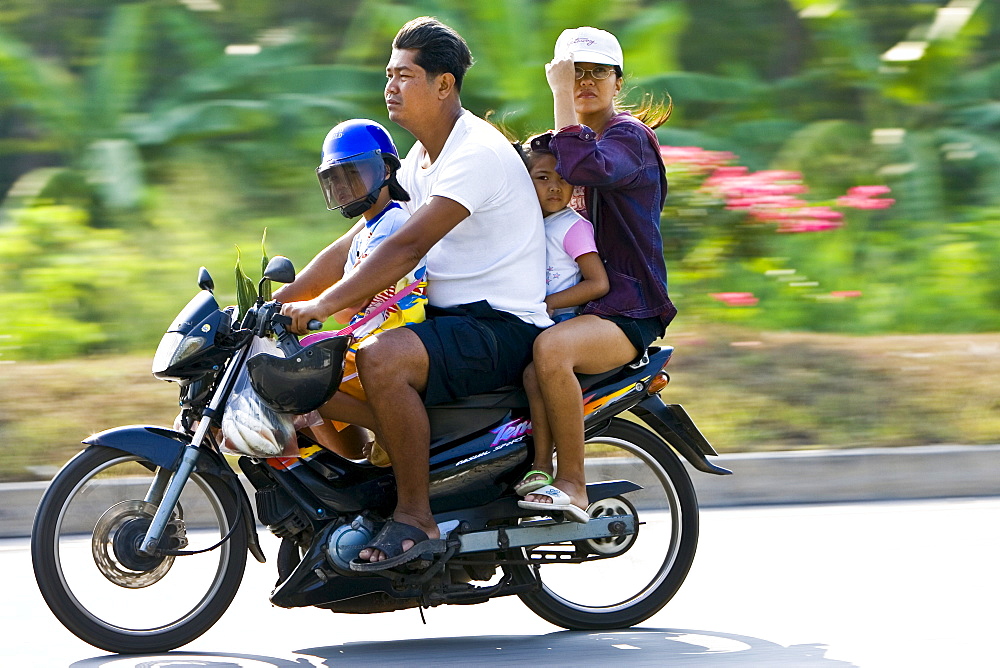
251 427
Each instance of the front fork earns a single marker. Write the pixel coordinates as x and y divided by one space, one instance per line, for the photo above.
155 494
170 492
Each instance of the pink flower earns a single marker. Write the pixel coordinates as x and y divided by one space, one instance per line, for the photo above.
865 203
845 294
822 213
728 172
793 226
766 201
735 298
767 196
695 158
741 189
861 197
868 191
779 175
803 219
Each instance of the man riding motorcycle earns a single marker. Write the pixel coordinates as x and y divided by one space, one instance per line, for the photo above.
474 216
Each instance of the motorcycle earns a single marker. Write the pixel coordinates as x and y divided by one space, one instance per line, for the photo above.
140 542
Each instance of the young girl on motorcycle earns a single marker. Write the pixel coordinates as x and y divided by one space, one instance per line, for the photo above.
574 273
613 160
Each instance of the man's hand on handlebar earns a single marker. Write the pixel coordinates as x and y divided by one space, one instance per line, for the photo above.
303 314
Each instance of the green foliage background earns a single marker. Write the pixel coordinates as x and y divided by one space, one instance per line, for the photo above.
135 147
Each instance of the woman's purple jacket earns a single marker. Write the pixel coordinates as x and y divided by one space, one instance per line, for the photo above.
624 165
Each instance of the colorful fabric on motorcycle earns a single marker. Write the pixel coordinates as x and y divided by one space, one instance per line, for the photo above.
350 385
408 309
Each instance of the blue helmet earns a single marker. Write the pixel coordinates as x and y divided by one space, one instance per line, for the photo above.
358 160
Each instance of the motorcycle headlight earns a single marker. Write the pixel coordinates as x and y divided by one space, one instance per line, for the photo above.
174 348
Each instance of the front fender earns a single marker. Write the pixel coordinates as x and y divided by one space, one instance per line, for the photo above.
164 447
160 446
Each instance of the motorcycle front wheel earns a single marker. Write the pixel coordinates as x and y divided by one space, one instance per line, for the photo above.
640 573
83 550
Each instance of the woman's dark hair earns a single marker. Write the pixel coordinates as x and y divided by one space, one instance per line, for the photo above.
439 48
651 111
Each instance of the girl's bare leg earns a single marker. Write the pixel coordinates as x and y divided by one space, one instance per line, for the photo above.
584 344
540 433
342 407
348 442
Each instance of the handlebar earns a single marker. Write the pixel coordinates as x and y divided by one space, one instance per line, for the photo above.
269 319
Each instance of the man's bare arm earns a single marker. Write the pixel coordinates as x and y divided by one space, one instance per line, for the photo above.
322 271
388 263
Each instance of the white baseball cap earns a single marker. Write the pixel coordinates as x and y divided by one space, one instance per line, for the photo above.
589 45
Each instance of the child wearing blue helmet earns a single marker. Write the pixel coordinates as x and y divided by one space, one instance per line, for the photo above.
358 176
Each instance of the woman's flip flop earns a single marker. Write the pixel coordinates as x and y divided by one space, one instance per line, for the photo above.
560 503
526 486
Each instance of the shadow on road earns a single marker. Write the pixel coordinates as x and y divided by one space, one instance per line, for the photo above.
637 647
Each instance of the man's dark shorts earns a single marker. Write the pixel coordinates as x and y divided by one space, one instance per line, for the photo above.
473 348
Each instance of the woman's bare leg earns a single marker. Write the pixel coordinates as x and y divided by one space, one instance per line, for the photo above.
584 344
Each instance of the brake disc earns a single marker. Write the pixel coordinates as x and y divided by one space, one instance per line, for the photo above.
117 537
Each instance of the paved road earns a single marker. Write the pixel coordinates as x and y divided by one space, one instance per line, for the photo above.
896 584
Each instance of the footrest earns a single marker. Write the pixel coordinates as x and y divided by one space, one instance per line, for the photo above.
544 532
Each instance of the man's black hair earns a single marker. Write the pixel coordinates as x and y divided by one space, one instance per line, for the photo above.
439 48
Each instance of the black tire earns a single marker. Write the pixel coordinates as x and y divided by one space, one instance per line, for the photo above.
82 495
666 505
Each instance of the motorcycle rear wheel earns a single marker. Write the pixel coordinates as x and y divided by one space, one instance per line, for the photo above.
627 589
86 567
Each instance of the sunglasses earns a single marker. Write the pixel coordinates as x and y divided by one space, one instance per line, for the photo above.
597 72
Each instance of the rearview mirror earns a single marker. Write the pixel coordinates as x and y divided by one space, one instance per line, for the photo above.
280 270
205 281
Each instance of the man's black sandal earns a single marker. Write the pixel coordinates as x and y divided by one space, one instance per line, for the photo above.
389 542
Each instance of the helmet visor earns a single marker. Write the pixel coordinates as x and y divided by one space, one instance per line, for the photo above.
351 179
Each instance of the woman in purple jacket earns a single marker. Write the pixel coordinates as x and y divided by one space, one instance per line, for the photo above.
613 160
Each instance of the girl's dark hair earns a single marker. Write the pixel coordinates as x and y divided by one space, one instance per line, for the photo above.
396 191
439 48
535 146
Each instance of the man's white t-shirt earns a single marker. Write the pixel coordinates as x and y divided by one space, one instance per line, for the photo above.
498 252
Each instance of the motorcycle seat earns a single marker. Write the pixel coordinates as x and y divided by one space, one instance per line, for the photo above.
451 420
512 396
